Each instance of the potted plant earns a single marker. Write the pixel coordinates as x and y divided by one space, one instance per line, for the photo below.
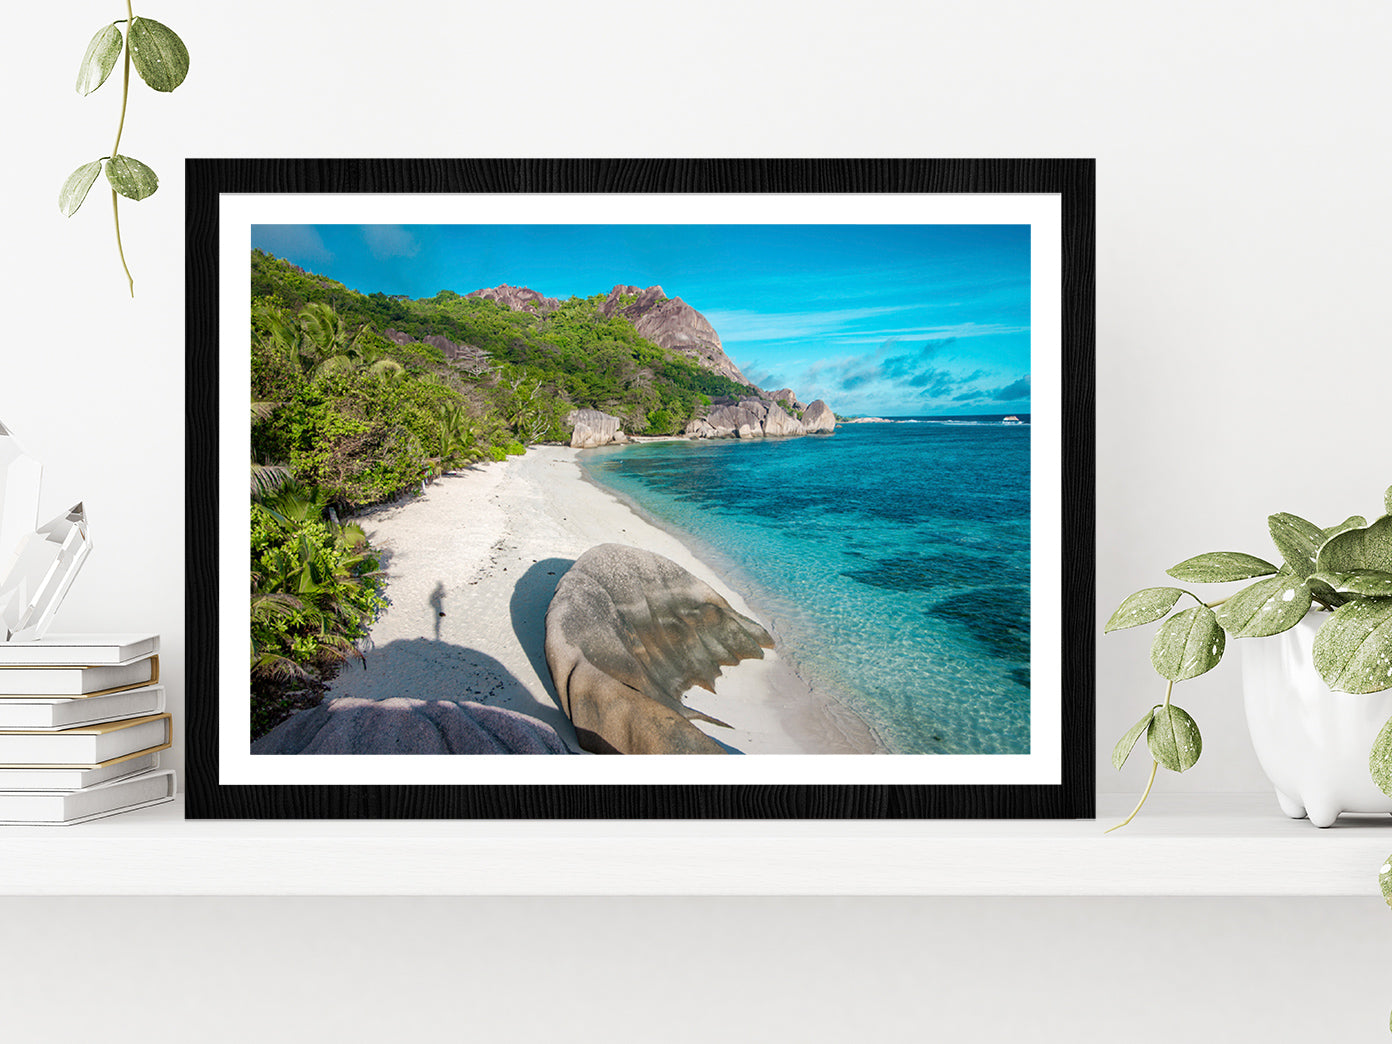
1327 608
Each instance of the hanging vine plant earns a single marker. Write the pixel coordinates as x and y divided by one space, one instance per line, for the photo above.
162 61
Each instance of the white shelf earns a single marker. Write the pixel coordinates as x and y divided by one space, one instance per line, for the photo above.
1189 846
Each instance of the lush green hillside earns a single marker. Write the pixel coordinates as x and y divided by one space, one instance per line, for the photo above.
573 357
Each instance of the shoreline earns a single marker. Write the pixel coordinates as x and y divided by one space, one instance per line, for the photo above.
471 566
855 735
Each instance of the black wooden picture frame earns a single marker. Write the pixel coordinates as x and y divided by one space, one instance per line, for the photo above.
211 610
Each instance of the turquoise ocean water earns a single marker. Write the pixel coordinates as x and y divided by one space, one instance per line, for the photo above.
891 560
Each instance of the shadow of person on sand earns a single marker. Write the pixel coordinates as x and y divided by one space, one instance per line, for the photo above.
437 602
531 597
429 670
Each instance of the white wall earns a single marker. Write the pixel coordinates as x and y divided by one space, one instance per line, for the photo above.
1242 361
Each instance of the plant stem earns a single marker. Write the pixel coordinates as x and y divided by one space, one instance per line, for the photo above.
1206 605
116 214
120 127
1154 767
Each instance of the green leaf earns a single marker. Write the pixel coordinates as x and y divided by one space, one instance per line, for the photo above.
1320 589
1354 549
1385 879
1379 764
130 177
1218 567
99 60
1352 522
1143 607
1267 607
158 54
1122 750
75 189
1353 650
1297 540
1387 500
1187 644
1174 740
1366 583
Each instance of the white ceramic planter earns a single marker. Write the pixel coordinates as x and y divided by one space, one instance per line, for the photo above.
1312 742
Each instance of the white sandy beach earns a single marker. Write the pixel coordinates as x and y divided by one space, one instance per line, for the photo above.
471 567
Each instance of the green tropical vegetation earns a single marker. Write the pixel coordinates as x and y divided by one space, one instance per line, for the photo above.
315 590
344 417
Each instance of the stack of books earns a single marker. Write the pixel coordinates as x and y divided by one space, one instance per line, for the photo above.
82 724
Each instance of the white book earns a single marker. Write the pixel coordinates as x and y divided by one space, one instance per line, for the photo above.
77 681
63 808
24 777
78 650
19 712
87 746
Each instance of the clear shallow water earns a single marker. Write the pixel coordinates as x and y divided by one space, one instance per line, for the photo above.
892 561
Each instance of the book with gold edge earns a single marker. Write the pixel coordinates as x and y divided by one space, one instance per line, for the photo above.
50 777
89 745
53 713
77 681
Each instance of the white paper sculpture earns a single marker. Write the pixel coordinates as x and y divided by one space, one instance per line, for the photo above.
41 574
38 564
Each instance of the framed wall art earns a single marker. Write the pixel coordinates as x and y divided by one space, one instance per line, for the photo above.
515 485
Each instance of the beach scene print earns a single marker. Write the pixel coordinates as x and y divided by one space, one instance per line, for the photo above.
640 489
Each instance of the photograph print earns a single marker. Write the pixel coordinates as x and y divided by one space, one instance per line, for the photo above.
661 488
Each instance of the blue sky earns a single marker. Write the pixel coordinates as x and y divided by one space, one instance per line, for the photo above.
876 319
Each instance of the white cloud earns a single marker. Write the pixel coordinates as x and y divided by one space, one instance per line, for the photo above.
762 326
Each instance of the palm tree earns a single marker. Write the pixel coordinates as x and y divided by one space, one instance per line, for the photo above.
457 433
265 609
266 478
321 592
319 342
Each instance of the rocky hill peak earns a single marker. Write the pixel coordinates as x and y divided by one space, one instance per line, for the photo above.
518 298
673 324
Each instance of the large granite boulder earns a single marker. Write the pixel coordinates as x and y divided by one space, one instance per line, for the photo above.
818 417
401 725
627 633
786 396
758 407
779 423
735 422
593 428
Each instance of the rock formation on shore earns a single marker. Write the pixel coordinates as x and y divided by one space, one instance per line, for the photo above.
518 298
818 417
401 725
752 418
627 633
787 398
671 323
592 428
